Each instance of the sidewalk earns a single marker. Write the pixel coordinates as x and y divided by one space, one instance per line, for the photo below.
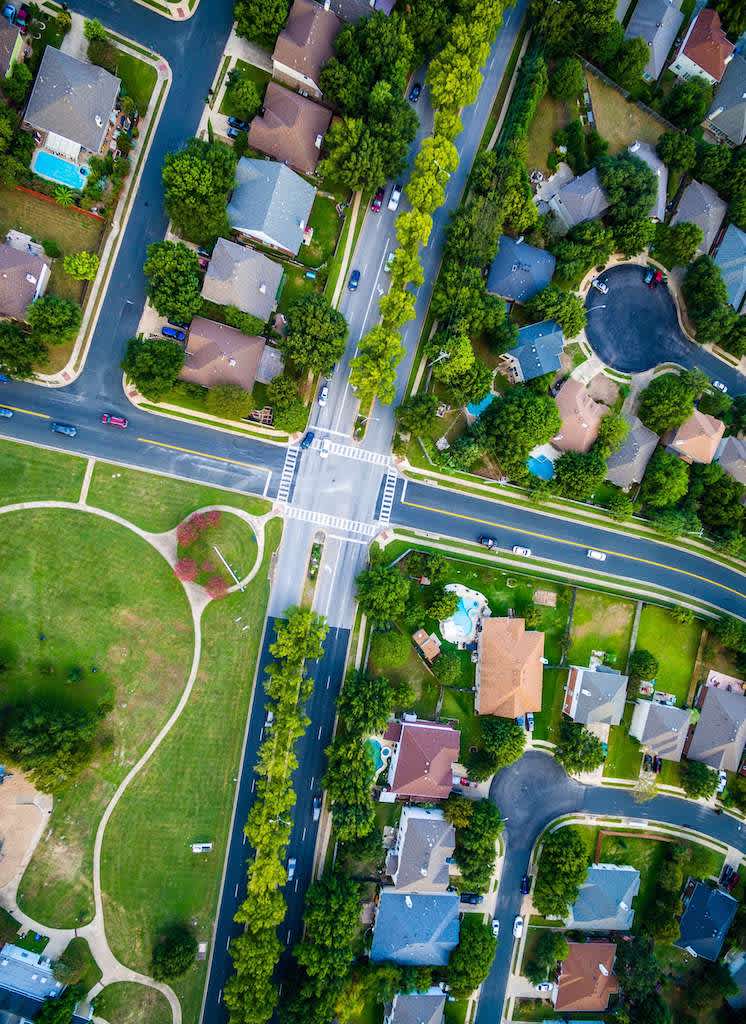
169 9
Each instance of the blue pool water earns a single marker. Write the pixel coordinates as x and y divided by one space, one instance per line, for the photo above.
541 466
54 168
374 747
461 617
478 408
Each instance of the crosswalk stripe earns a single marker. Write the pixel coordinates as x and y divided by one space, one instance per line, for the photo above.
387 501
332 522
287 474
351 451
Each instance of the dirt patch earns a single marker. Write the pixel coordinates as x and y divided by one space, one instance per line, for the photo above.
23 812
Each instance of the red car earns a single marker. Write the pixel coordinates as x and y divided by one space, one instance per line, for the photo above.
114 421
377 201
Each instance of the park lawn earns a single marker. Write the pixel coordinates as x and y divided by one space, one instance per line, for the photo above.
601 622
459 704
126 1002
149 875
29 473
625 753
91 972
547 721
674 644
551 116
257 75
532 937
138 79
235 541
44 219
326 224
620 122
103 598
159 503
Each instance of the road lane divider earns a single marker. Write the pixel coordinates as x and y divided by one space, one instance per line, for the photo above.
205 455
26 412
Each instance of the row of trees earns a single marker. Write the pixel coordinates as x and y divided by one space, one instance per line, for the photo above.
707 303
250 994
478 823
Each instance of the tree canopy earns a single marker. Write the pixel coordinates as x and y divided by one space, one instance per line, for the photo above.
316 334
197 180
629 184
153 364
174 285
471 960
666 480
19 353
699 781
54 320
550 950
174 953
688 102
578 750
554 304
666 402
562 869
518 421
382 592
260 20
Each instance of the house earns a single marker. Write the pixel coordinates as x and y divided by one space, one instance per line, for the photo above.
604 903
581 199
720 733
423 754
72 101
26 981
24 276
737 967
427 644
354 10
708 914
645 152
537 352
11 44
581 417
661 730
510 668
700 204
415 929
420 857
290 128
218 354
243 278
519 271
731 258
271 204
727 115
732 457
305 45
706 50
657 22
416 1008
627 465
586 980
698 437
595 696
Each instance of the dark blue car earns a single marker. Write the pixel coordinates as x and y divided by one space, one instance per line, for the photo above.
173 332
354 280
63 428
307 440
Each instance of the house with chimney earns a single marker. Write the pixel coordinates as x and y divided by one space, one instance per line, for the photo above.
290 128
697 439
662 730
706 50
422 758
509 668
519 271
271 204
720 733
304 45
242 277
657 22
415 929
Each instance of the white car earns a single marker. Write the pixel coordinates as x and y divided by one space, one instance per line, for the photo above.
544 986
325 448
323 395
269 720
389 262
722 781
600 285
518 927
720 386
291 869
495 927
518 550
597 556
395 197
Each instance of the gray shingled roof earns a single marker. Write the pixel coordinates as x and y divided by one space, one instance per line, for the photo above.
519 271
705 922
425 842
657 22
662 730
600 696
72 98
731 258
732 457
645 152
720 733
626 466
538 349
728 111
581 199
604 903
421 929
241 277
271 200
8 38
417 1008
700 204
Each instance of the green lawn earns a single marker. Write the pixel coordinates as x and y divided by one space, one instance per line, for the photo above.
674 645
185 794
547 722
456 1011
159 503
295 285
625 753
459 704
128 1003
671 773
326 224
257 75
38 474
601 622
619 121
102 597
419 678
44 219
91 973
138 79
551 116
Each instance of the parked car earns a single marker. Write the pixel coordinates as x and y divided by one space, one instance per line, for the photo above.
324 395
486 541
307 439
518 550
6 413
472 898
389 262
526 885
597 556
647 763
733 881
521 720
600 285
544 986
4 378
354 280
395 197
233 133
529 721
649 277
657 277
203 252
325 448
269 719
173 332
63 428
179 323
657 764
115 421
317 807
414 92
463 781
236 122
495 927
291 869
204 263
518 927
720 386
377 201
722 781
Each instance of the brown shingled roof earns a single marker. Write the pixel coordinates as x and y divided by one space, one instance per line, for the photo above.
697 438
581 417
583 985
510 668
218 354
307 41
707 45
423 765
288 128
19 279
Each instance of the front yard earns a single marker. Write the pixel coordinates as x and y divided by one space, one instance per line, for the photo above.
138 79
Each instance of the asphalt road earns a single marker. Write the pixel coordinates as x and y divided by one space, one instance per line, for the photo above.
535 791
634 328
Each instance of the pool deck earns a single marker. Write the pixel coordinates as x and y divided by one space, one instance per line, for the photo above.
449 629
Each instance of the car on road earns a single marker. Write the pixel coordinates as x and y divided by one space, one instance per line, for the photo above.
291 869
600 285
324 448
4 378
6 413
720 386
529 721
307 439
518 550
544 986
324 395
597 556
495 927
722 781
394 197
175 333
236 122
389 262
115 421
649 277
472 898
518 927
526 885
415 91
269 720
377 201
63 428
486 541
317 807
354 280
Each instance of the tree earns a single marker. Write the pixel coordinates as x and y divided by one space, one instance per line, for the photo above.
630 61
666 480
447 668
713 163
567 25
612 434
247 323
316 334
382 592
242 96
153 364
19 352
666 402
699 781
578 749
586 245
564 307
637 969
174 953
93 29
677 150
733 15
390 650
174 286
550 950
366 702
688 102
416 414
629 184
604 48
634 236
54 320
471 960
675 245
349 777
643 664
229 401
60 1010
578 474
260 20
517 422
17 83
373 370
568 80
443 605
706 300
427 23
562 869
82 266
620 505
374 50
503 740
197 180
73 962
64 196
475 844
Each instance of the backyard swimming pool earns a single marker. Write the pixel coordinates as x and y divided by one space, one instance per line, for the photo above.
461 627
379 753
54 168
541 466
477 408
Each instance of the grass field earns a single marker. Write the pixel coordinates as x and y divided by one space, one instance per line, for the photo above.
38 474
620 122
551 116
674 645
138 79
149 875
128 1003
423 683
547 721
91 972
625 753
65 569
601 622
44 219
295 285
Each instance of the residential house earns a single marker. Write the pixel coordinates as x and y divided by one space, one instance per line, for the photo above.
27 981
305 45
708 914
519 271
627 465
427 644
581 417
218 354
11 45
737 967
581 199
354 10
726 117
645 152
537 352
604 903
24 276
72 101
732 457
657 22
706 50
510 668
242 277
700 204
731 258
661 730
697 439
720 733
416 1008
415 929
586 980
290 128
420 857
271 204
595 696
422 759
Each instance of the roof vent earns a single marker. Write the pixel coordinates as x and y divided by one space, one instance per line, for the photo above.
30 278
263 288
99 121
232 362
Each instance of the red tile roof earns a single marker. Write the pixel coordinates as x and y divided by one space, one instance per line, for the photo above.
423 764
586 979
707 45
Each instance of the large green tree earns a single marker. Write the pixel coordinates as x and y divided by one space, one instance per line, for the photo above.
172 269
677 150
562 869
578 750
373 370
416 414
471 960
382 592
586 245
630 187
566 25
518 421
733 16
675 245
666 480
567 80
316 334
53 319
554 304
666 402
174 953
578 474
475 840
688 102
197 180
698 781
260 20
549 951
153 364
19 353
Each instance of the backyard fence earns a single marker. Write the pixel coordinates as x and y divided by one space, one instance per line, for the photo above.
623 92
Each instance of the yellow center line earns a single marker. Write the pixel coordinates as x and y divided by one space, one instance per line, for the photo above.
573 544
204 455
27 412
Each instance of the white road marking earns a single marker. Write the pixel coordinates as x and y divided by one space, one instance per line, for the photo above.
303 837
288 470
235 891
331 583
313 779
296 884
336 522
243 841
328 680
352 451
318 736
220 996
228 944
387 501
287 940
253 784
